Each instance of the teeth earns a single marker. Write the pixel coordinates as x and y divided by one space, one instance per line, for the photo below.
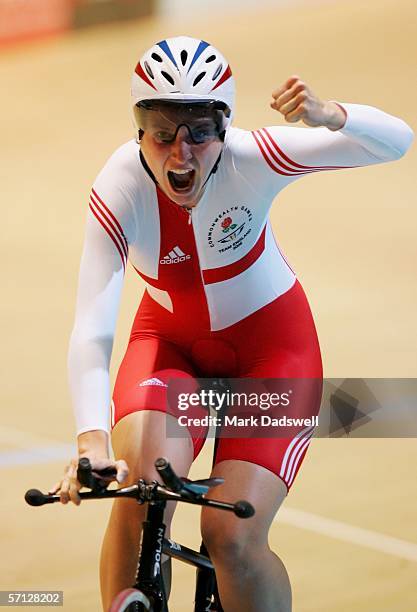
181 171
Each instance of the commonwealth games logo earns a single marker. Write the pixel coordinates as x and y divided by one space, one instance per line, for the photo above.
229 228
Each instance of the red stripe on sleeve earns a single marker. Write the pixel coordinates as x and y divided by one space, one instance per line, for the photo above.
110 234
119 227
292 162
108 216
264 145
268 161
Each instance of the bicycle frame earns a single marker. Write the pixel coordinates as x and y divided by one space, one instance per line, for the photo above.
149 577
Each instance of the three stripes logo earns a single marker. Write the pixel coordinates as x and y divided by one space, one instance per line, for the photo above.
109 222
279 161
174 256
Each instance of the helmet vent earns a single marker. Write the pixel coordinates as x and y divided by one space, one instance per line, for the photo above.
156 57
148 70
198 78
168 77
210 59
218 71
184 56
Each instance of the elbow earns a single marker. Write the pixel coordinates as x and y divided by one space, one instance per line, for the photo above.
88 345
405 140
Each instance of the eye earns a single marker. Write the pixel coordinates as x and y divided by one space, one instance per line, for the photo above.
203 132
163 137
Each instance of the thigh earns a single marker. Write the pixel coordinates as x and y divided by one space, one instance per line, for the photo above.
278 436
281 456
142 385
141 438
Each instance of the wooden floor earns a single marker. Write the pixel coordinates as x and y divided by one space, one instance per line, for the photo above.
347 532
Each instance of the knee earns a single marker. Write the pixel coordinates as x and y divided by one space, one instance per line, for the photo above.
230 540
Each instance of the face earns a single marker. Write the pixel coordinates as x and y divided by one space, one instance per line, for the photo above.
180 167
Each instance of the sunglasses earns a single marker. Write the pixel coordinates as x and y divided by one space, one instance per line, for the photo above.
205 121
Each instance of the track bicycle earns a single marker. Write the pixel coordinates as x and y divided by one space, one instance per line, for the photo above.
148 594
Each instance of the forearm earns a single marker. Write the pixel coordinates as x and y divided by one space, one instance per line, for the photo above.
385 136
89 382
382 136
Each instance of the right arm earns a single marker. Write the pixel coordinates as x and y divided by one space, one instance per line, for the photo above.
98 298
110 227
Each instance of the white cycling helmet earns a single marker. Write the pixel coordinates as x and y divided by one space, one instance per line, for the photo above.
184 69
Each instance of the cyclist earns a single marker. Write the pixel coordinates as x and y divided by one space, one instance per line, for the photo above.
187 202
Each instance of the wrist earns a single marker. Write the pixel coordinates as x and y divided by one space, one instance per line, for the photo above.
335 116
93 442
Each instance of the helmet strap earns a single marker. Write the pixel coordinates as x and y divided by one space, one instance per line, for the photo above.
214 168
145 165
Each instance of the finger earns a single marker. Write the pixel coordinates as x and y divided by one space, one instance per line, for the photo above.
64 492
74 492
66 483
299 100
297 114
287 96
55 488
287 85
122 470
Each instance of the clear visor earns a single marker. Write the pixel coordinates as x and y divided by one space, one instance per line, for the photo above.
205 121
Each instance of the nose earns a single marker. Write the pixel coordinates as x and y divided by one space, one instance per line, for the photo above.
181 147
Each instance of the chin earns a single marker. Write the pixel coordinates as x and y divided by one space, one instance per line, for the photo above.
188 199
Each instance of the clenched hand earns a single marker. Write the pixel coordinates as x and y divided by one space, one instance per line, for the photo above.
297 102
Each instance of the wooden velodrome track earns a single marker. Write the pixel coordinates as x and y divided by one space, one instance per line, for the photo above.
350 236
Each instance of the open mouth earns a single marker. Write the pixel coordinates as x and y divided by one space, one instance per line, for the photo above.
181 180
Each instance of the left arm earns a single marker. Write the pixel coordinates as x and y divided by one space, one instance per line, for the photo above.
382 136
344 136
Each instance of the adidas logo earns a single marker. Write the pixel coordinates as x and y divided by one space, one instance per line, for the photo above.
174 256
152 382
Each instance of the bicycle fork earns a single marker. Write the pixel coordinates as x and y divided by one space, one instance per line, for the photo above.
206 594
148 576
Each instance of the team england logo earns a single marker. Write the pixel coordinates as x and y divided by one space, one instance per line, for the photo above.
230 228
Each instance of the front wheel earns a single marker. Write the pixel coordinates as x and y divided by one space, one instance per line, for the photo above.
131 600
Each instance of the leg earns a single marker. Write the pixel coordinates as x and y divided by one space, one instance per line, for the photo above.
142 414
251 578
275 346
138 438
